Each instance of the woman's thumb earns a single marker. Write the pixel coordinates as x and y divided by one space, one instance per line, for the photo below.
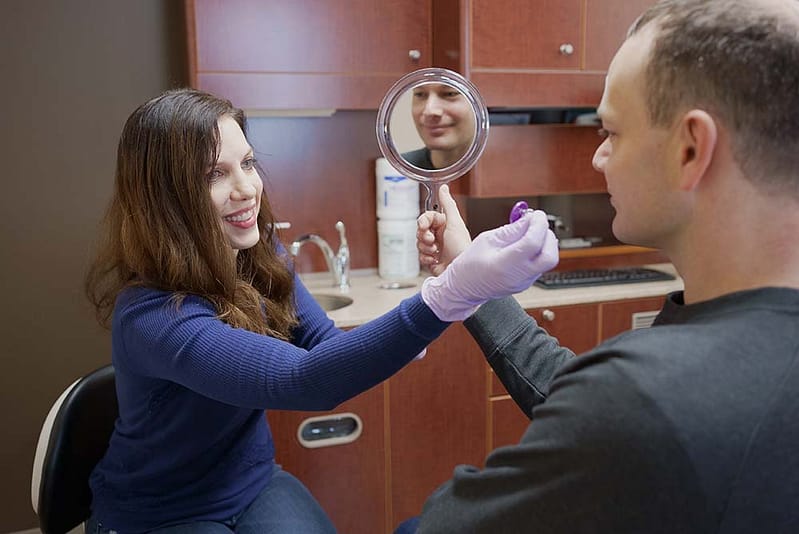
449 207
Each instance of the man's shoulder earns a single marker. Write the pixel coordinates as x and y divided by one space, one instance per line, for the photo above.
419 158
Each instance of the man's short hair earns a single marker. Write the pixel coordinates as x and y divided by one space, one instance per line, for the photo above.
739 61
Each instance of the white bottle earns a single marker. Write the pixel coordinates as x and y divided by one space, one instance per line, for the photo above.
397 210
397 257
397 196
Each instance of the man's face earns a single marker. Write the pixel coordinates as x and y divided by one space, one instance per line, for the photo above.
443 118
635 155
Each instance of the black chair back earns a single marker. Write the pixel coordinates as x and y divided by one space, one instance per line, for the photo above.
79 438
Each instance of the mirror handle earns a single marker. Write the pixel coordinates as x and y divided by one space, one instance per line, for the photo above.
431 202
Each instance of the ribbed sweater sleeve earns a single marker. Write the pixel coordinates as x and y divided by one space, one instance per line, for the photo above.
321 367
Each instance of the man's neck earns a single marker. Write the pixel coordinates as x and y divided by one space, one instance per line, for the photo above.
750 248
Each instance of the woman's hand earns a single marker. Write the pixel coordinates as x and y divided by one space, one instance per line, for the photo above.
441 237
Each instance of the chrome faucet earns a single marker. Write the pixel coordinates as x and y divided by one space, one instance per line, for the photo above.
338 264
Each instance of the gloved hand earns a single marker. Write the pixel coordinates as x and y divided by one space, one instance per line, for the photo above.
496 264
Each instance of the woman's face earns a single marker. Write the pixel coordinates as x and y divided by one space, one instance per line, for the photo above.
236 186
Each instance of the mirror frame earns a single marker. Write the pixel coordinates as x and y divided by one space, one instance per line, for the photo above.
421 77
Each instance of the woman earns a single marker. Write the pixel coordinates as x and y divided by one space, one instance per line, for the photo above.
210 327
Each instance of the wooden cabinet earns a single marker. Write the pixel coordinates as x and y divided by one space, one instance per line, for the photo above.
273 54
349 480
437 419
534 54
622 315
523 53
537 160
417 426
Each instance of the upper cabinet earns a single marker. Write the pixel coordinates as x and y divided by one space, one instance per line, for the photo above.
306 54
532 53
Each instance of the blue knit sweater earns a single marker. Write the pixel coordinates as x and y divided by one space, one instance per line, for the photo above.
191 442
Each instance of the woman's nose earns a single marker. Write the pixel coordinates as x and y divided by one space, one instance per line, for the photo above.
243 189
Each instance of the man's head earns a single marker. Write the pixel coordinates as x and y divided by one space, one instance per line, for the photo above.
444 120
739 61
692 76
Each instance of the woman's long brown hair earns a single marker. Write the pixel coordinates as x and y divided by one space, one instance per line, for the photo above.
162 231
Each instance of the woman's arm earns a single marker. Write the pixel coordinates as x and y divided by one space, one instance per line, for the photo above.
189 345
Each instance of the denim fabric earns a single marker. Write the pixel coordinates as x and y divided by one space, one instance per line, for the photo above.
285 506
409 526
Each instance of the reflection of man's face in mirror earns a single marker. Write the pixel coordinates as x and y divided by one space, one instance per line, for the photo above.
445 122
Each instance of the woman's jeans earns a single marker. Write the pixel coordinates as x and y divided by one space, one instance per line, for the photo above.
285 506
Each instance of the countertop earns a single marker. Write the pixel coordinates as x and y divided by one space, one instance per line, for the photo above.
370 301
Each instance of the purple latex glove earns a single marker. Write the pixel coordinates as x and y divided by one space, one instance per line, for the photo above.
498 263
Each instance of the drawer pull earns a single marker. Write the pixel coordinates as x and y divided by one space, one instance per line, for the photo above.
327 430
548 315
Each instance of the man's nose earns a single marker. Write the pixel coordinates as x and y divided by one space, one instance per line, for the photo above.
433 106
601 156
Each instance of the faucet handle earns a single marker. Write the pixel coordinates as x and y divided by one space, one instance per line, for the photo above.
341 233
343 258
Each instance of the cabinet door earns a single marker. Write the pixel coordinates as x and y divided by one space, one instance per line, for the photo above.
349 480
546 52
534 160
508 423
607 22
437 418
524 34
267 54
576 328
620 316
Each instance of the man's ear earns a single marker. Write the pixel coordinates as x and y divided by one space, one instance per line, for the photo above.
697 137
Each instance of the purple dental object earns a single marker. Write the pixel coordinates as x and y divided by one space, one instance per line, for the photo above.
518 209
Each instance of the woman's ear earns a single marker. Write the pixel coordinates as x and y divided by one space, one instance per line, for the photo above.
697 137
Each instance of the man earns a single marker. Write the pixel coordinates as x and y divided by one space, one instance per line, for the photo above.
691 425
445 121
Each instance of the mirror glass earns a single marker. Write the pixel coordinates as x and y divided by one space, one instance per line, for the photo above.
432 127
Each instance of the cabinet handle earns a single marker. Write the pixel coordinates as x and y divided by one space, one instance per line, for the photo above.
548 315
567 49
415 55
326 430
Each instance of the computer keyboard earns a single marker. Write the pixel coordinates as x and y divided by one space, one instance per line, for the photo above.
596 277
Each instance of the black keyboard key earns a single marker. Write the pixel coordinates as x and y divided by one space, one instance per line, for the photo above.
596 277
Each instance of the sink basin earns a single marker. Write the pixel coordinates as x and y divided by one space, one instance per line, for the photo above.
331 302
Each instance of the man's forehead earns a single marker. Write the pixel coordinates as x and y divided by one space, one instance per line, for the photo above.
626 72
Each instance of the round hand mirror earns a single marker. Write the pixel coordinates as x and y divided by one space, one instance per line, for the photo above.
432 127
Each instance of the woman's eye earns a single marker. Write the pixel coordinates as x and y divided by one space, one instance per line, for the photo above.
215 174
603 133
248 164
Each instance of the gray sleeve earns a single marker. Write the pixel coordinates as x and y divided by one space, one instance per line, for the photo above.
522 354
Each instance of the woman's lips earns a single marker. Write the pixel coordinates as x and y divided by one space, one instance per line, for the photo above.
242 219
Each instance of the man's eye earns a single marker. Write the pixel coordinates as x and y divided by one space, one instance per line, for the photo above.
603 133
